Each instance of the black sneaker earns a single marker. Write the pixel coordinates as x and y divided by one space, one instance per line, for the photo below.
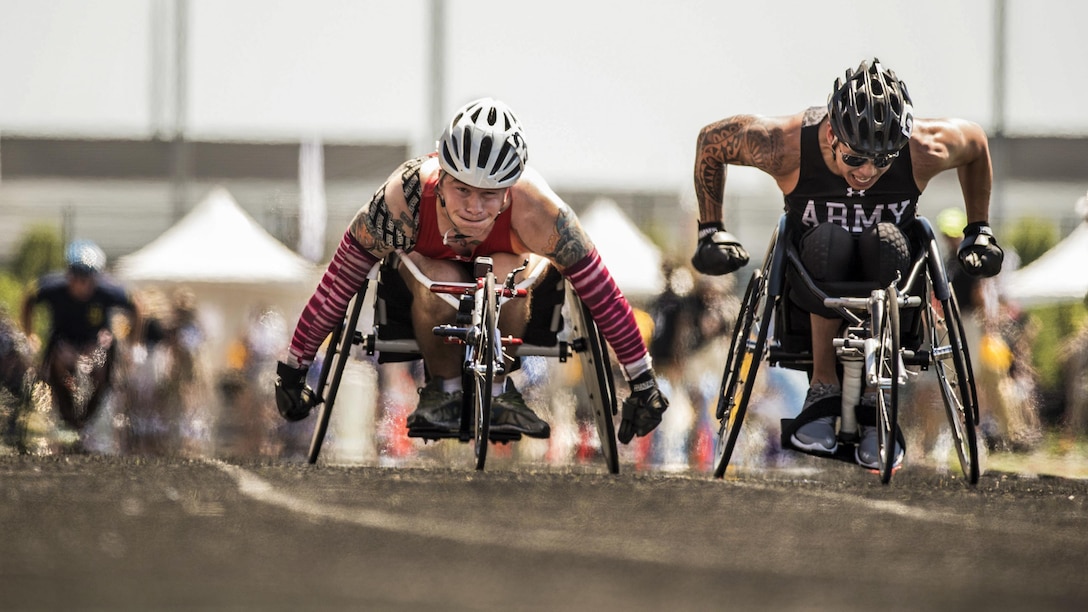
437 410
509 414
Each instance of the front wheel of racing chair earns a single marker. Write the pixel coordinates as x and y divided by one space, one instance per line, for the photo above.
479 367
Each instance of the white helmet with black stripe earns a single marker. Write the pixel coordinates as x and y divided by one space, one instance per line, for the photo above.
484 145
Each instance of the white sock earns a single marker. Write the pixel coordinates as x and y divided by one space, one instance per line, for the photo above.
451 385
497 388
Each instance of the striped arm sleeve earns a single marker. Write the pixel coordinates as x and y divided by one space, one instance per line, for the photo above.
598 291
342 280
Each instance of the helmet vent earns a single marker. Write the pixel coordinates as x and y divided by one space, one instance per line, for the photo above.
485 151
504 152
466 148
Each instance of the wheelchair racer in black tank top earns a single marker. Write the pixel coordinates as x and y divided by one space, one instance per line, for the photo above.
851 174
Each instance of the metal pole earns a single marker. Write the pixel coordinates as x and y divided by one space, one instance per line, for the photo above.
154 90
1000 151
180 148
437 73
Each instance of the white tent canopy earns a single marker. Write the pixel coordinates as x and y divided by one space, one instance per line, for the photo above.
1059 275
216 242
235 269
632 258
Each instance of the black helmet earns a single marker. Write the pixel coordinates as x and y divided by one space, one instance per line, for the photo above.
870 110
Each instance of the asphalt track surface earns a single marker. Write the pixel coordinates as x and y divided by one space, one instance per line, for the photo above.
94 532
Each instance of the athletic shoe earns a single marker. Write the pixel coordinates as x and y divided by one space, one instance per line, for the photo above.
818 436
437 410
868 451
509 414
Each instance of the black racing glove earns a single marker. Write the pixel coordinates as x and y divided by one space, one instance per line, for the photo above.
979 253
718 251
643 409
293 398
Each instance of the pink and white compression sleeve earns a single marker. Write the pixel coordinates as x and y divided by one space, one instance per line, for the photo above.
598 291
326 308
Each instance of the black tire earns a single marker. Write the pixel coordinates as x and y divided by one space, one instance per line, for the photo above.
336 357
479 373
957 382
889 364
745 353
597 377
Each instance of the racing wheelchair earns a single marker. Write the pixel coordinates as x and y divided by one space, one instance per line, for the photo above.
560 326
890 333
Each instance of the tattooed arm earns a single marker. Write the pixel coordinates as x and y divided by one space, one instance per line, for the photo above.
388 222
544 224
770 144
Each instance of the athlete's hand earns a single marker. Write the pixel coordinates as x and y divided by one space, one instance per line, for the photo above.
718 251
979 253
293 398
643 409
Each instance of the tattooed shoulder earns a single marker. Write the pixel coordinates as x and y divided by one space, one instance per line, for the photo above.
382 230
569 243
813 115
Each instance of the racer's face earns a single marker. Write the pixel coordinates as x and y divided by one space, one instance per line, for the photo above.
81 286
860 171
472 210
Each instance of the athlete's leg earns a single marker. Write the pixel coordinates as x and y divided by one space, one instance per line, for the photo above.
430 310
59 367
103 358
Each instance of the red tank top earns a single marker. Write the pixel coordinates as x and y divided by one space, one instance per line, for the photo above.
429 239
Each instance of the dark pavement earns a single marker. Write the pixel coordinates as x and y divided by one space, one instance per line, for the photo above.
86 532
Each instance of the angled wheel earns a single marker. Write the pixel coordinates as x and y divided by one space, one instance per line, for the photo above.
597 377
479 367
889 370
336 357
952 363
745 353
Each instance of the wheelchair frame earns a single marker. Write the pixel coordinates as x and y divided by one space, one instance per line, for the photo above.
476 328
871 347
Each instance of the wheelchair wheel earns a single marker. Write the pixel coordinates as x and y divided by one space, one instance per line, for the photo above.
597 377
479 368
745 352
952 363
336 357
889 370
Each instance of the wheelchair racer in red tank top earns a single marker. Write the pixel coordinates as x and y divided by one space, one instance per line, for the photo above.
474 196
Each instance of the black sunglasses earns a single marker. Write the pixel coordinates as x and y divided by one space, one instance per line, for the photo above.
857 161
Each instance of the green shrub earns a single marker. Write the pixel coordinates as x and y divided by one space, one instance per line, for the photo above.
40 250
1053 325
11 295
1030 237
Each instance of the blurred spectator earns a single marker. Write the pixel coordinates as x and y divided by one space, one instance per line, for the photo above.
1074 358
16 378
249 424
691 323
168 407
999 341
